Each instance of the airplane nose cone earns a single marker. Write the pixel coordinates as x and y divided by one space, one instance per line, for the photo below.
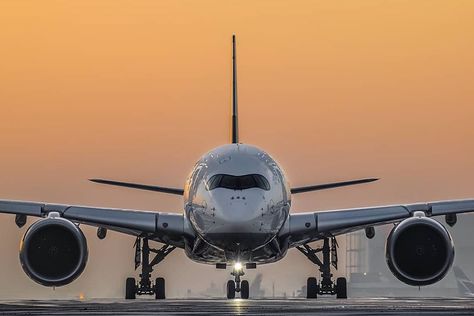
239 212
234 220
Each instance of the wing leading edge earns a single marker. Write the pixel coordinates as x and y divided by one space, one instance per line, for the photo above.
308 227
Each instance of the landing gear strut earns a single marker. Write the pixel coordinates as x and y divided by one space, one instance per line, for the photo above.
327 286
142 257
238 285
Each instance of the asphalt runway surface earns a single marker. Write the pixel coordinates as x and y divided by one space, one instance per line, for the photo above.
324 306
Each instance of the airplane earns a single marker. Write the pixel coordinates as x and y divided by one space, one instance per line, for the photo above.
465 285
236 213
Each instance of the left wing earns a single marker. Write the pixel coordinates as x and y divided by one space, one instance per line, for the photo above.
167 228
308 227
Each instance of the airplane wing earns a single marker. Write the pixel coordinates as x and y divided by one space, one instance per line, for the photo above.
307 227
167 228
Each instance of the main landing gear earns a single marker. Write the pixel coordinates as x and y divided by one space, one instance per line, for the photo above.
142 257
327 286
238 285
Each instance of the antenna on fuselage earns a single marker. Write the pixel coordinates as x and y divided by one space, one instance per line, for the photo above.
235 123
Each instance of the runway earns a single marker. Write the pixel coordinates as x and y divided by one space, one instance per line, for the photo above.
324 306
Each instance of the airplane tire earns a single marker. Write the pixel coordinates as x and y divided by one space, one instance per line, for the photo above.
311 288
244 289
230 289
160 289
130 289
341 288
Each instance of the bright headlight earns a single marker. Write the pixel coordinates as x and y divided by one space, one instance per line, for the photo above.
237 266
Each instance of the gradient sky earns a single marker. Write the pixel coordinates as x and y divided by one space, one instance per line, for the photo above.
139 90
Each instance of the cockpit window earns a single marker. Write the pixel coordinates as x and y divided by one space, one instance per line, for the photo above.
244 182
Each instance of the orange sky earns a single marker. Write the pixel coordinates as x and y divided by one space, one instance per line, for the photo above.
138 90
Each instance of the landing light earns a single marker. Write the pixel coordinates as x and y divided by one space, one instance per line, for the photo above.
238 266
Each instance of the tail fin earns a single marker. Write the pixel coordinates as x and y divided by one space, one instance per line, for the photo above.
235 123
465 285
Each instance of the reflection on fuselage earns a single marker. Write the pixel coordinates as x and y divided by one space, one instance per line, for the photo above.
237 200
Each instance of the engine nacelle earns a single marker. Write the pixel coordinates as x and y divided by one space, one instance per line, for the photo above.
419 251
53 251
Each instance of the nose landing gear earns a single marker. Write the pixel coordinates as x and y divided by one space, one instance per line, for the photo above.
327 286
142 257
238 285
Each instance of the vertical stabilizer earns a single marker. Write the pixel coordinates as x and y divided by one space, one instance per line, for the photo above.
235 123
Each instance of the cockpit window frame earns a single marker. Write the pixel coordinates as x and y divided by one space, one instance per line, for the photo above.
236 183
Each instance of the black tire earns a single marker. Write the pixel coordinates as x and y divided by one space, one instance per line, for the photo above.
341 288
160 289
311 288
130 289
244 289
230 289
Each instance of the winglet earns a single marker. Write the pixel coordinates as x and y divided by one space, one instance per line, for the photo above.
235 123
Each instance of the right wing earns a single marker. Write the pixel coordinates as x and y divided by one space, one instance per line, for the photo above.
167 228
308 227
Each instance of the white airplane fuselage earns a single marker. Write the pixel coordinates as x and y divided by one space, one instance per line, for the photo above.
236 200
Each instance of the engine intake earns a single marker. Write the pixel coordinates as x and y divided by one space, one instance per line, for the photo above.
53 251
419 251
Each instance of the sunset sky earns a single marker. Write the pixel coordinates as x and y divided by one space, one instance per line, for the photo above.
139 90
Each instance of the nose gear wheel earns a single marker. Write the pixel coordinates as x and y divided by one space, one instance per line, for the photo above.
238 285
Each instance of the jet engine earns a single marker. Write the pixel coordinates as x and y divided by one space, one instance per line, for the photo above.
53 251
419 251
